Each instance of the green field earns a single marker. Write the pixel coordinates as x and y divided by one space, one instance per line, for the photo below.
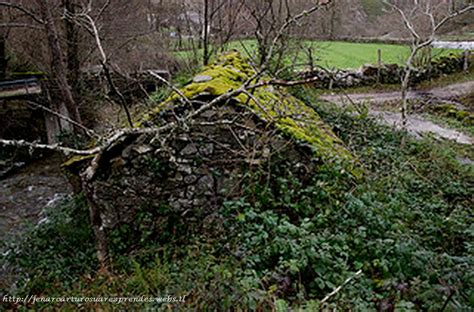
333 54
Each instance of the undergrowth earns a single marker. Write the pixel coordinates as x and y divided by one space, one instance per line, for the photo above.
407 226
54 253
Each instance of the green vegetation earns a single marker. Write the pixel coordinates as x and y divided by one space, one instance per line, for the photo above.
332 54
407 226
452 122
56 252
453 116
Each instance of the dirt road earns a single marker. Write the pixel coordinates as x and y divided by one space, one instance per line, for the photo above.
416 124
445 93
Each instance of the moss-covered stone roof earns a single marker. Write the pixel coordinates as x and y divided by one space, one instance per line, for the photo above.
272 104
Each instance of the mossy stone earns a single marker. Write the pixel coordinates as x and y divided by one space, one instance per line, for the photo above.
271 104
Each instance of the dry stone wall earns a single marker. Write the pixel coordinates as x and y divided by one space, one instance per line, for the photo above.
388 74
190 172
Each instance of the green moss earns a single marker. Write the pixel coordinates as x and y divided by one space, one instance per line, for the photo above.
272 104
76 160
450 110
29 73
462 115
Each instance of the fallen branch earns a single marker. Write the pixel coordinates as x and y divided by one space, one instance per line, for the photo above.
51 147
338 289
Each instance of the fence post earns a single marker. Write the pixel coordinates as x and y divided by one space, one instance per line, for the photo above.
379 64
429 62
466 61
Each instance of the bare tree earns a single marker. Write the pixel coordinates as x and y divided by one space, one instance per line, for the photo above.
58 65
44 17
72 43
277 25
422 36
219 20
3 57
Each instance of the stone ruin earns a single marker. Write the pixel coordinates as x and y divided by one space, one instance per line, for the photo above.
190 170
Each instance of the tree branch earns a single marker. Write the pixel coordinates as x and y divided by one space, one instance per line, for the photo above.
51 147
338 289
24 10
453 15
182 97
88 131
19 25
104 62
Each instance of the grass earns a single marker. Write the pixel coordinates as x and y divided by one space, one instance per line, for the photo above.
331 54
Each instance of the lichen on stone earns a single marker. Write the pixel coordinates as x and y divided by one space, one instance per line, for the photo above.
272 104
78 159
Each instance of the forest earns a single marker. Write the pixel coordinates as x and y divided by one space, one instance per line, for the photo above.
236 155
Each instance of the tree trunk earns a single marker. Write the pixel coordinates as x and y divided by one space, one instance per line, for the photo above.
58 67
3 58
72 40
405 85
100 235
206 32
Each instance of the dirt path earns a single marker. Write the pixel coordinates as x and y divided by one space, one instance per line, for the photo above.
445 93
416 124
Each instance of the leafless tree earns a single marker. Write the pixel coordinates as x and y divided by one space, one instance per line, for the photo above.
43 17
275 23
422 36
219 23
